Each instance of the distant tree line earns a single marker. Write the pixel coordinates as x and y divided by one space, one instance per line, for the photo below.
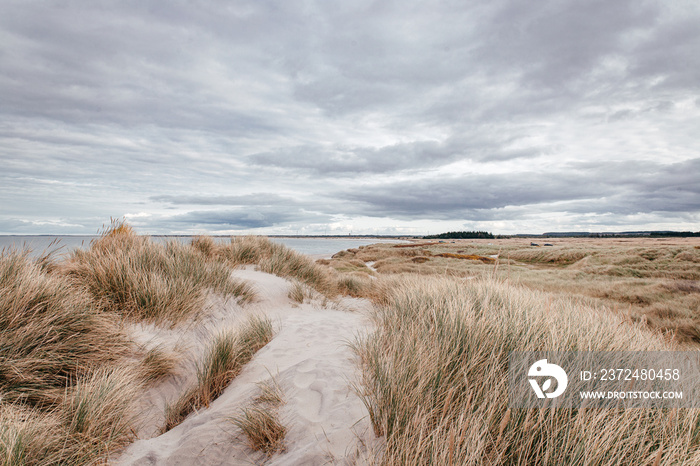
682 234
462 235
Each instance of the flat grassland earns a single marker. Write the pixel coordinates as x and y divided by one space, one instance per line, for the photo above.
651 280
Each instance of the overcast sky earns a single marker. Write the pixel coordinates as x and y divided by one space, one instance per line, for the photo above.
370 117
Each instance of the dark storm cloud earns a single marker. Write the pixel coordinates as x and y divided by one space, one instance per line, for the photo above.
652 188
136 63
128 64
618 188
425 58
672 54
451 198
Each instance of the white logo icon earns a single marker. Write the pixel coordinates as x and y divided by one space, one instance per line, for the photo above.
542 369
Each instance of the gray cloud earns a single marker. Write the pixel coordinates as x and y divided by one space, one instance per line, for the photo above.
244 218
454 198
244 200
413 156
353 160
285 115
559 44
618 188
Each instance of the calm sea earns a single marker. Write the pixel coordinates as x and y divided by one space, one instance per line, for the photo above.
64 244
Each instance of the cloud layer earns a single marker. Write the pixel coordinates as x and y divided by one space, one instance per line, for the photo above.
368 116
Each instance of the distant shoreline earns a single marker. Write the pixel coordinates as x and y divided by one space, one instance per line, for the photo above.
228 236
582 234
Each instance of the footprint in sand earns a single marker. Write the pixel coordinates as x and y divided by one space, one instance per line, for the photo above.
310 402
303 379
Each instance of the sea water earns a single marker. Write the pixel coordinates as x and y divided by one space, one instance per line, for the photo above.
62 245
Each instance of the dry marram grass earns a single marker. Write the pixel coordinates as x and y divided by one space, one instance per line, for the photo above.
280 260
434 372
225 358
69 376
137 278
655 281
260 422
436 380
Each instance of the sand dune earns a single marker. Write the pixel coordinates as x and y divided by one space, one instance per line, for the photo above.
312 364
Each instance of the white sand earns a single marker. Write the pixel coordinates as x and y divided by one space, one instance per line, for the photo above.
312 364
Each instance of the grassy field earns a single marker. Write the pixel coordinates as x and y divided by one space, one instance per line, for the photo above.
654 281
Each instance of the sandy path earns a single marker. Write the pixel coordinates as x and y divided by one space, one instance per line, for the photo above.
312 364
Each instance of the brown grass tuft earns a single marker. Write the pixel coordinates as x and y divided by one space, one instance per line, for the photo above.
300 292
227 355
156 364
684 286
139 279
657 278
262 427
118 227
98 409
279 260
49 331
205 245
420 259
356 284
261 423
414 245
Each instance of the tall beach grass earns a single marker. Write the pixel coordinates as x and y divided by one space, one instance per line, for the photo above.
64 396
69 375
654 281
260 422
436 380
49 330
280 260
223 361
134 277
